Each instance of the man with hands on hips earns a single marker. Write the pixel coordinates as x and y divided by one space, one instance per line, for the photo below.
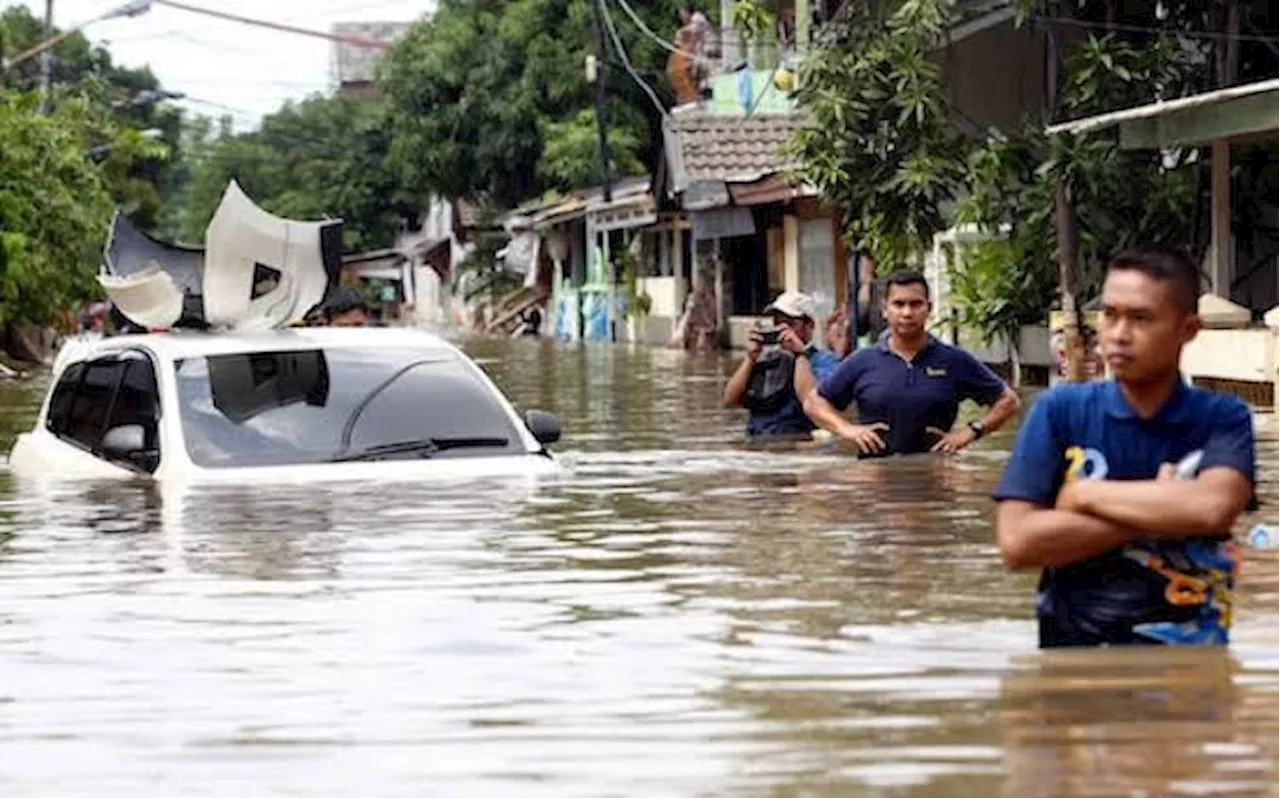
779 368
908 387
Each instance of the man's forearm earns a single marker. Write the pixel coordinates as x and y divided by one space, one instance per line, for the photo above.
737 386
803 381
1053 538
822 412
1169 508
1001 411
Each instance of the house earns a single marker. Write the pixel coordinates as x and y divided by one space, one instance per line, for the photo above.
438 240
755 231
1234 352
575 251
766 232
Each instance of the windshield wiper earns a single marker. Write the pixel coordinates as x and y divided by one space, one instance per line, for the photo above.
426 446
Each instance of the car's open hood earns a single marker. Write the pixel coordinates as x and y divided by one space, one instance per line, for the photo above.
256 270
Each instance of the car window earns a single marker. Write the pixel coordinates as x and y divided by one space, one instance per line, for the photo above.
137 402
315 406
60 401
87 416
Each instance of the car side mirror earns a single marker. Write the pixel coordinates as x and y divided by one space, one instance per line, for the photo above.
128 442
544 426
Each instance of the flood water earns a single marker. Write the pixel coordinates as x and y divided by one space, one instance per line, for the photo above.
680 616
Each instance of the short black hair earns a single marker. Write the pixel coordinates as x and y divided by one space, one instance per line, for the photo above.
1166 266
905 277
344 300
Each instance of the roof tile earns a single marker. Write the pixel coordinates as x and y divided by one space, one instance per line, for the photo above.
729 148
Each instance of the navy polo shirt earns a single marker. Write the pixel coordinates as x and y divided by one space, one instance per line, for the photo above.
1089 431
910 396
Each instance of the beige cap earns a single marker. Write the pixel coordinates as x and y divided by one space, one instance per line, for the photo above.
793 304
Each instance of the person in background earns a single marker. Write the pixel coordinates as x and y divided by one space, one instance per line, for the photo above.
770 385
698 326
530 323
909 385
93 321
837 329
346 308
1124 491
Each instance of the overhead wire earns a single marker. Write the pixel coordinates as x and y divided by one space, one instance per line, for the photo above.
663 43
626 60
1190 34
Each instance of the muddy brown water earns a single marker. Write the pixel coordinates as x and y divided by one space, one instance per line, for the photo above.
678 616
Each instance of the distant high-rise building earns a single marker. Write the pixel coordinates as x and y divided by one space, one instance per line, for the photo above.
353 66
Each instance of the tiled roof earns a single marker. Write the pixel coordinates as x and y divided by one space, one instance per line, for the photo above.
735 149
355 64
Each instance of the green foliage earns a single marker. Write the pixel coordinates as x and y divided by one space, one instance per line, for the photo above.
324 157
122 97
753 17
880 144
55 205
570 155
996 300
486 90
1121 197
482 274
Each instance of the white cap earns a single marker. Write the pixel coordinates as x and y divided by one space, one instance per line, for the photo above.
793 304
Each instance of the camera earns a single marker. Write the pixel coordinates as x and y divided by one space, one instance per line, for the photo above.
770 337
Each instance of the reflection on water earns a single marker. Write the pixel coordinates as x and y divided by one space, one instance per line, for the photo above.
1112 723
680 616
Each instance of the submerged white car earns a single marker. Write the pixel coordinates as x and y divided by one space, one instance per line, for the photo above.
293 404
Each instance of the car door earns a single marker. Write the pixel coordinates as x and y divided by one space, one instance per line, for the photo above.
104 393
135 403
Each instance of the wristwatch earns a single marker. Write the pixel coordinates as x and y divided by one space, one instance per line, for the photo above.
807 351
979 429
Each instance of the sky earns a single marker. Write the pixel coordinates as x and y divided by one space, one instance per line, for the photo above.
227 67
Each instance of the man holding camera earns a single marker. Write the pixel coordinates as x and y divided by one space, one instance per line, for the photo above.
781 367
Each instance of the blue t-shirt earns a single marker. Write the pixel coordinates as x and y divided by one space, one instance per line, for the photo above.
789 419
910 397
1176 591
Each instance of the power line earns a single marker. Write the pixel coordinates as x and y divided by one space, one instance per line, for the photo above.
1191 34
626 61
663 43
354 41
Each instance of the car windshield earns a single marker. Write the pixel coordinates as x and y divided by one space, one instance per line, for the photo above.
337 405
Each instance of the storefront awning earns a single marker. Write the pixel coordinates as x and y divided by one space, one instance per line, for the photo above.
762 192
625 214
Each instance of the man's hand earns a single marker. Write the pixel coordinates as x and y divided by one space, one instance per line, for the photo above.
864 436
1074 495
791 342
755 345
951 442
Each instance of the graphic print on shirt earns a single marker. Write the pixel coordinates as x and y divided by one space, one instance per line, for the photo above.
1197 573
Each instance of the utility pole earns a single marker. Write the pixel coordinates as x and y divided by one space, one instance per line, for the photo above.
46 59
598 246
602 118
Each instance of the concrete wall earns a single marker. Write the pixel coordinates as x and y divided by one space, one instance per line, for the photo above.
664 293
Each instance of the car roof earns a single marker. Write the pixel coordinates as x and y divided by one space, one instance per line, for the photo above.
183 344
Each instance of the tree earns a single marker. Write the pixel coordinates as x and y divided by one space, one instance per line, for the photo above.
879 143
125 97
489 97
324 157
55 205
1103 197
